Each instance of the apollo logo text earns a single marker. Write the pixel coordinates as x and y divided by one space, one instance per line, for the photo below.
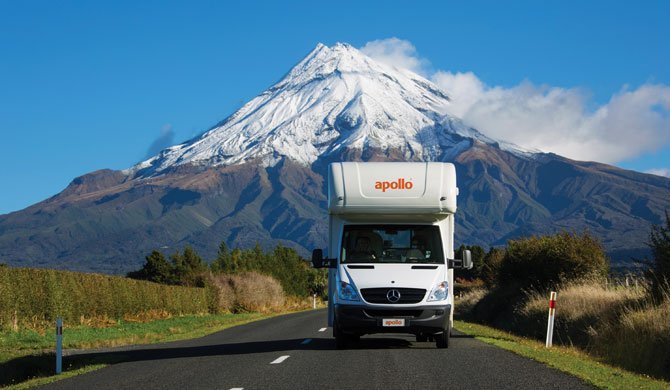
400 184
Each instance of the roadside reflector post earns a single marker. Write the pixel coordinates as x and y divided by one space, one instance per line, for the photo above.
550 320
59 345
314 301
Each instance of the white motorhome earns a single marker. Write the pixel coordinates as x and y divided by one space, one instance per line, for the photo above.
391 250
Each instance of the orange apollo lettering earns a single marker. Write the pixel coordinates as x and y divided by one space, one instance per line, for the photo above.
400 184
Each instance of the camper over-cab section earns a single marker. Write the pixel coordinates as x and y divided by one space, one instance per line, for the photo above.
427 189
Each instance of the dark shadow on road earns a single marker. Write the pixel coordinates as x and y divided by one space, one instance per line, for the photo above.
19 369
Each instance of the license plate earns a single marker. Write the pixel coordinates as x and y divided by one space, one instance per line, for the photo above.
393 322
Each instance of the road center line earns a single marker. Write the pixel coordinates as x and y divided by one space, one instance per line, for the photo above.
237 388
280 359
322 329
306 341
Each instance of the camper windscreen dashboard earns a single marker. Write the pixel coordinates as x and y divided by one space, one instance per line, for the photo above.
392 244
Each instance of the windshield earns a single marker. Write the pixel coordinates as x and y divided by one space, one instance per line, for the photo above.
392 244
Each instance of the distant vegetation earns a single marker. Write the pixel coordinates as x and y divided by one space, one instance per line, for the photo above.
659 241
187 268
624 321
539 262
33 298
237 281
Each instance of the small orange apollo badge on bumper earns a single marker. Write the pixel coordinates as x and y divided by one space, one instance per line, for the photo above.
393 322
400 184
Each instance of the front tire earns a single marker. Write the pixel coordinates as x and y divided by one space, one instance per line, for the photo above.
340 338
442 339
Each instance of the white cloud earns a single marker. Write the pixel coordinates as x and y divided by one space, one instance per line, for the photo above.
660 172
558 119
554 119
396 52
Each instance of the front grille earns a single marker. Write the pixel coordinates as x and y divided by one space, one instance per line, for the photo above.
393 313
407 295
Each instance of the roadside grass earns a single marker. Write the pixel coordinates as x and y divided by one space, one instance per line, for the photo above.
49 379
566 359
616 323
28 354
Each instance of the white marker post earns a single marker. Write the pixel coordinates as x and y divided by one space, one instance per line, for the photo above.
314 302
59 345
550 320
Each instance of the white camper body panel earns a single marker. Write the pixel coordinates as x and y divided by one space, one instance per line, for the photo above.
390 194
427 189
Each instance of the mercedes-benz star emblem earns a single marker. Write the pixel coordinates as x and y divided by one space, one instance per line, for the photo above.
393 296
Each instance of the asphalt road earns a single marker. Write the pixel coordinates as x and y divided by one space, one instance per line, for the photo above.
297 351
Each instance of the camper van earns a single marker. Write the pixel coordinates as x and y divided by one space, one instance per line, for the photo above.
391 250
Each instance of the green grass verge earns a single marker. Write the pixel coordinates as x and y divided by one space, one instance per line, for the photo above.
49 379
29 354
569 360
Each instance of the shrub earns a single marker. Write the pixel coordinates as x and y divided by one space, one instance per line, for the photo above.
659 242
491 267
466 302
546 262
639 339
223 300
535 264
256 292
317 280
248 292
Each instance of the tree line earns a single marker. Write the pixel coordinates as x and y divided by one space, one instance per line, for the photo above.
187 268
536 262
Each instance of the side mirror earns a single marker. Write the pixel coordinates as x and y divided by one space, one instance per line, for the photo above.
465 262
467 259
317 258
319 262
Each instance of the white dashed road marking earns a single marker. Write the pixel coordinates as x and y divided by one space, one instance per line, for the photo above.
280 359
306 341
237 388
322 329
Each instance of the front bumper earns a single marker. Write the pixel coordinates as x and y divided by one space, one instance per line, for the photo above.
360 320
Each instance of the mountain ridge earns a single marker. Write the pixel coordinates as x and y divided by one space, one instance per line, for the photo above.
335 98
258 176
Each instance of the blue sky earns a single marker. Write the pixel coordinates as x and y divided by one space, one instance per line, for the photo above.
92 85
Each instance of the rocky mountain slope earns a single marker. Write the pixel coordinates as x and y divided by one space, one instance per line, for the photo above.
258 176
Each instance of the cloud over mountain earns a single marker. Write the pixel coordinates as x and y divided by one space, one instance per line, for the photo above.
554 119
259 175
660 172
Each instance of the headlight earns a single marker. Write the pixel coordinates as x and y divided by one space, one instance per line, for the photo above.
347 292
440 292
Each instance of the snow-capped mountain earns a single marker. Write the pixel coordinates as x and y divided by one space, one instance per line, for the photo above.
258 177
335 98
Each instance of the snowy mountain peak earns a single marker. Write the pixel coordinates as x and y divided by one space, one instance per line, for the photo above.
335 98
